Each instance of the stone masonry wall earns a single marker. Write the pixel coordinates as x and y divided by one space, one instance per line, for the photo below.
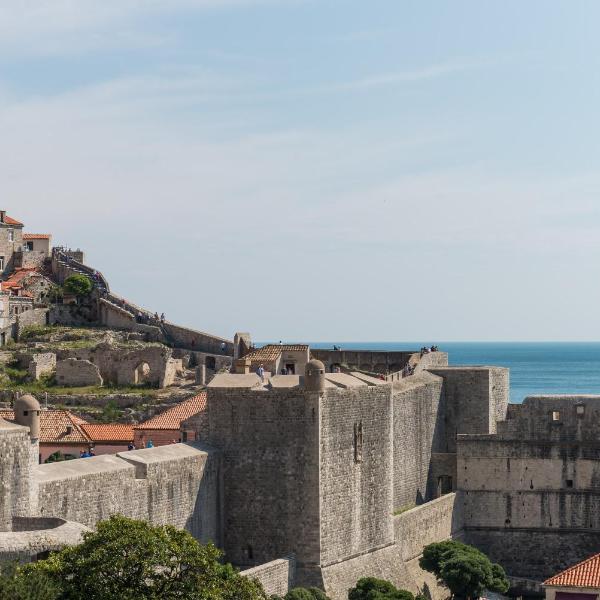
355 495
41 364
419 431
432 522
531 493
15 469
276 577
77 373
270 452
177 484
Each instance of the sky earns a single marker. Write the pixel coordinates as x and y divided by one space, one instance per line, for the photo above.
316 170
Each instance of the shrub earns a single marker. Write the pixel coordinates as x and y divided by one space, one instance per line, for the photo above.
370 588
78 285
14 586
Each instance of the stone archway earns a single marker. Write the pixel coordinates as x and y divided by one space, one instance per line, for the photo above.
141 374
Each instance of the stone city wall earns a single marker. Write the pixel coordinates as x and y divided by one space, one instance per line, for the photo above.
432 522
176 485
419 431
269 442
363 360
276 577
355 491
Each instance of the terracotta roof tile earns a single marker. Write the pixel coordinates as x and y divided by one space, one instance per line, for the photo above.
272 351
53 426
108 432
172 417
10 221
585 574
15 279
36 236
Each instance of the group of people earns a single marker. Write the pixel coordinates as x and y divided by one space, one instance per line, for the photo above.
87 453
408 370
147 319
427 350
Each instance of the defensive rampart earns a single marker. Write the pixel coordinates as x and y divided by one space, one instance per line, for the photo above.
277 577
176 484
531 492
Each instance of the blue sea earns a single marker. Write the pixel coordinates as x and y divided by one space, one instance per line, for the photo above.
535 367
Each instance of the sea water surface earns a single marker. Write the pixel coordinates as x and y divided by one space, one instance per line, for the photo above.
535 367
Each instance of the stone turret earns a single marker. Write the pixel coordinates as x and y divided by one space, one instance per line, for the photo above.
27 413
314 376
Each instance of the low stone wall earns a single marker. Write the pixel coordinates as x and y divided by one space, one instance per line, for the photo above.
77 373
41 364
35 316
276 577
32 536
177 485
435 521
191 339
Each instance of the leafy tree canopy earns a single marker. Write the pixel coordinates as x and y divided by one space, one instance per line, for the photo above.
133 560
78 285
312 593
370 588
463 569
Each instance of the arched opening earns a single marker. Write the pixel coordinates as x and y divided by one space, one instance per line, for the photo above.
141 374
211 362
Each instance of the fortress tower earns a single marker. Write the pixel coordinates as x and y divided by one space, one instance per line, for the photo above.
306 467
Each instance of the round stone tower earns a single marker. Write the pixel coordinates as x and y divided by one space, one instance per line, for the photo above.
27 412
314 376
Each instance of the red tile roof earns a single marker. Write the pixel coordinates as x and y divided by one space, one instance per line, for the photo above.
172 417
585 574
108 432
10 221
15 279
272 351
53 427
36 236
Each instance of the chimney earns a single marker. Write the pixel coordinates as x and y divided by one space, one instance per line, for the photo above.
69 429
2 216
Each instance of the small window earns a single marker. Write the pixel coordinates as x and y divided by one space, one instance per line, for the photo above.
581 410
250 552
25 413
555 415
1 263
358 442
11 235
569 483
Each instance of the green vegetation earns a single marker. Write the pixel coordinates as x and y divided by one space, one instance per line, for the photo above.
111 412
35 586
133 560
370 588
78 285
463 569
403 509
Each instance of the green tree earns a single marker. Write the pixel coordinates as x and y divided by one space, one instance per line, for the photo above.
111 412
370 588
36 586
78 285
463 569
133 560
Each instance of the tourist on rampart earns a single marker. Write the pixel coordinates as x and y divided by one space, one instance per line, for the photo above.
131 446
162 317
261 373
149 444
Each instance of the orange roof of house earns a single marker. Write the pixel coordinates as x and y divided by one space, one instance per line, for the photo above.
10 221
15 279
36 236
53 427
272 351
172 417
108 432
585 574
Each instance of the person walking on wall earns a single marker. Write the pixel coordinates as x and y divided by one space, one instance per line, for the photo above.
149 444
261 373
